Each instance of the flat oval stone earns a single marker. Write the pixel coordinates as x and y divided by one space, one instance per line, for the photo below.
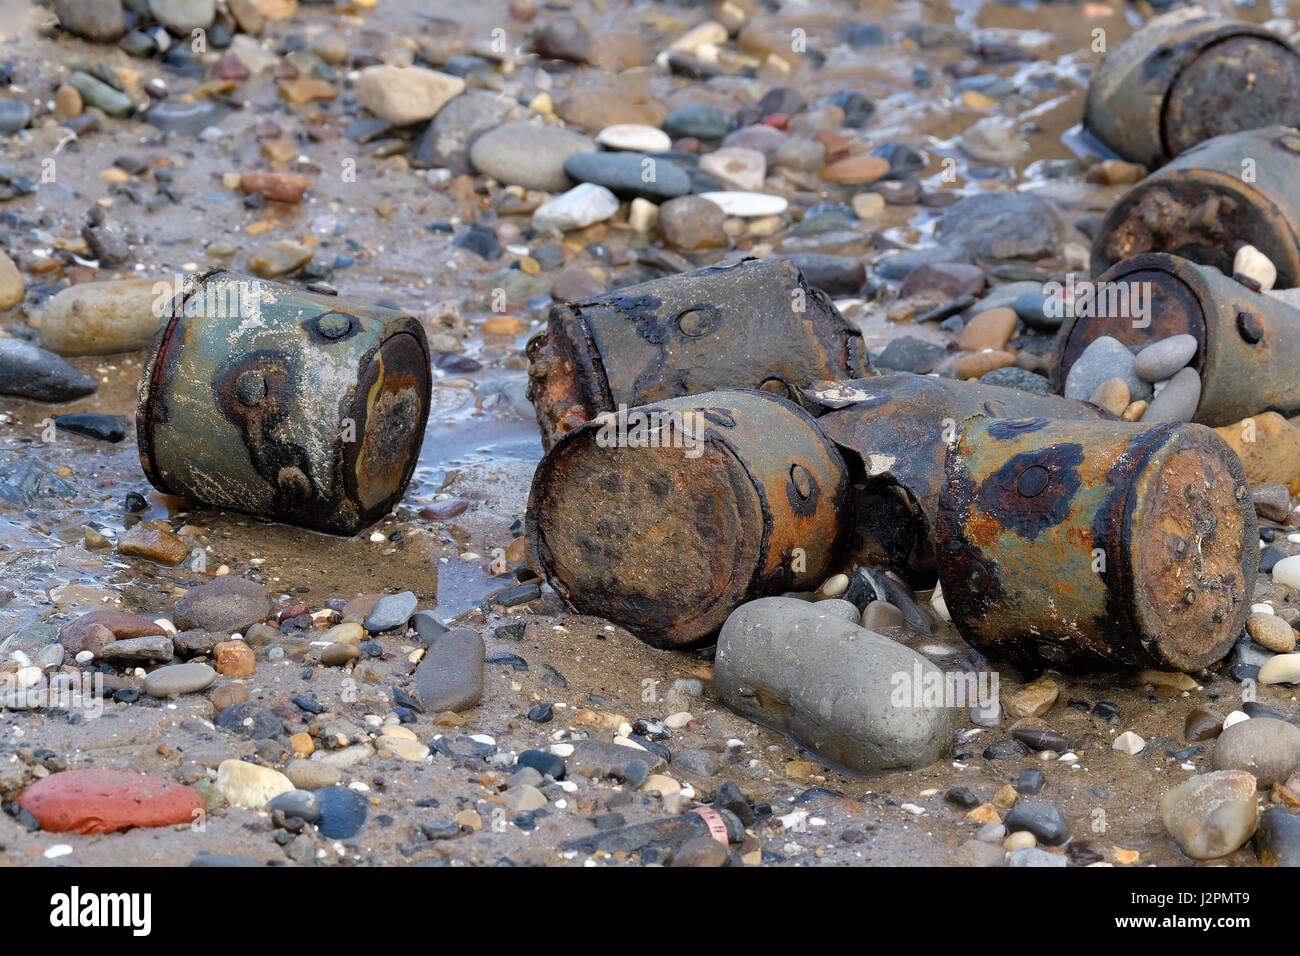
176 679
634 138
1160 360
1281 669
1043 820
1177 401
106 801
747 205
630 175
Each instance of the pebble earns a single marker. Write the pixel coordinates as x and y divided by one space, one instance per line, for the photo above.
447 141
1111 395
566 38
634 138
91 425
750 205
245 784
94 630
14 116
836 692
342 812
523 154
12 286
108 801
185 119
702 763
1012 376
1211 814
1032 700
1105 358
336 655
1277 838
698 121
692 222
184 15
303 804
450 676
1271 632
736 167
1163 359
138 650
950 280
856 170
1032 856
765 139
991 140
700 851
151 543
630 175
234 659
390 612
98 20
991 329
997 226
403 96
280 258
1128 743
1043 820
546 764
312 774
29 371
1265 747
1281 669
250 720
1030 783
1177 401
1287 572
1272 500
1201 724
1253 264
228 695
99 94
230 603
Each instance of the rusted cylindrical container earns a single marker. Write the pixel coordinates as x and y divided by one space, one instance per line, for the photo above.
1248 352
895 432
291 405
1186 77
1081 544
665 518
747 324
1230 191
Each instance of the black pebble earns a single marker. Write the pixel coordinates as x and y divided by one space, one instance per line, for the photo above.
543 762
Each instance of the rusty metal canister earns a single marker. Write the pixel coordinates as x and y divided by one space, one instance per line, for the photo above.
1090 544
665 518
1186 77
1233 190
747 324
288 404
1248 351
894 431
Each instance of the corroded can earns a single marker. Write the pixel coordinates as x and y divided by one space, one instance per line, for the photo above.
665 518
1230 191
288 404
746 324
1080 544
1186 77
895 432
1248 343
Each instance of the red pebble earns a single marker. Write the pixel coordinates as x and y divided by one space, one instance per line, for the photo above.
106 801
777 121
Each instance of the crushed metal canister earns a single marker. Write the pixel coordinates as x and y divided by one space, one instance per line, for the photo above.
1186 77
292 405
895 432
747 324
1080 544
665 518
1248 343
1230 191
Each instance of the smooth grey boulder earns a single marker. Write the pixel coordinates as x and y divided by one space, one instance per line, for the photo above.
851 696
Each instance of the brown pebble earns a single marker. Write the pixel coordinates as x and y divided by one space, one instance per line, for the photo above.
978 364
988 330
1112 395
228 695
234 659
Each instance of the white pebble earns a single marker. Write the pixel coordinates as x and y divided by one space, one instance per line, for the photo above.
58 850
1235 717
562 750
85 657
1281 669
1253 264
378 536
1262 609
1287 571
1129 743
